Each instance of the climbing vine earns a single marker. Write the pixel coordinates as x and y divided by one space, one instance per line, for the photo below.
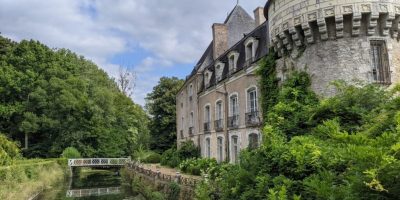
268 82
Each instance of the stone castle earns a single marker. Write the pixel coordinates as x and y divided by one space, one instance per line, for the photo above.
349 40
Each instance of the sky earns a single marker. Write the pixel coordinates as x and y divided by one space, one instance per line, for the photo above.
154 38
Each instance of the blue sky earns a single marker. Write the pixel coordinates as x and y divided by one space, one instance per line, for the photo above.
153 37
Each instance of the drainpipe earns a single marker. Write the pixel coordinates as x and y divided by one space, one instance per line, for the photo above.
226 124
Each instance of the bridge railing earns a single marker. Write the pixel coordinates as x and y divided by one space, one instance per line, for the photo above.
93 192
87 162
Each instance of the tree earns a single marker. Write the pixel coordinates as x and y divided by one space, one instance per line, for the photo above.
126 81
59 99
161 105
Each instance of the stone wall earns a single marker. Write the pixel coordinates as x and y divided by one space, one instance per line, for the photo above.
160 182
348 59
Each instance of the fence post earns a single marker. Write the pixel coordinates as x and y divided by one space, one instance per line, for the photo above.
178 177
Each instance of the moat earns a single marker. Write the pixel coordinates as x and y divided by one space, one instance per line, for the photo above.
91 184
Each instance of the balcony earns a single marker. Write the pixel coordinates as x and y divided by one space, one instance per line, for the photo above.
253 119
233 122
219 125
191 131
207 127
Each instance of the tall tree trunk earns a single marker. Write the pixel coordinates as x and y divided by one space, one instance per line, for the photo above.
26 140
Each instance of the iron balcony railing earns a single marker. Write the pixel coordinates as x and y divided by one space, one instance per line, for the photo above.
233 122
207 127
253 118
191 131
219 125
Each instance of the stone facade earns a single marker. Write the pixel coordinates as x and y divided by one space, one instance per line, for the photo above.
217 107
349 40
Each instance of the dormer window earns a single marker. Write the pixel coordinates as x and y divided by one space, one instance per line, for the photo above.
233 58
207 77
190 92
219 69
251 45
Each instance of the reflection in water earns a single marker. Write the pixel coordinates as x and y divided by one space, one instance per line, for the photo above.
91 185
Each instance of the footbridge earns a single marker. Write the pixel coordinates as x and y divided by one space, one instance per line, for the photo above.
98 162
93 192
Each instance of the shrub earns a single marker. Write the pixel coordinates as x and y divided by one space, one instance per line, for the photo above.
188 150
196 166
8 151
71 152
153 157
170 158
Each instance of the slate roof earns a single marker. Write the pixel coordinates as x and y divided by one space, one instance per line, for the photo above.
239 22
261 34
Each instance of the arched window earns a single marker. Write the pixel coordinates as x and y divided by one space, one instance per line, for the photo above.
190 91
191 119
233 111
249 51
235 149
220 149
208 148
254 141
232 61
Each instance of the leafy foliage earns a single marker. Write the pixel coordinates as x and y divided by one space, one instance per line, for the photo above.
161 105
8 151
71 152
344 147
196 166
173 157
58 99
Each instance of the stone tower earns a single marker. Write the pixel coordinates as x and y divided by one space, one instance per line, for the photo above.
350 40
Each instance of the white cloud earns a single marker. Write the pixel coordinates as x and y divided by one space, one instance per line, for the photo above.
171 31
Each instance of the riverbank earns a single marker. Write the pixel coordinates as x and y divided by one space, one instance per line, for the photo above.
156 182
27 178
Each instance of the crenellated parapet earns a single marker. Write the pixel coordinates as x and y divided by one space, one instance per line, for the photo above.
297 23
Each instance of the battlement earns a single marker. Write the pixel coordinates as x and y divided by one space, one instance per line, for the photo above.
297 23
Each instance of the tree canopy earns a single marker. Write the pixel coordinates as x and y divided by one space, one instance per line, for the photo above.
161 105
55 99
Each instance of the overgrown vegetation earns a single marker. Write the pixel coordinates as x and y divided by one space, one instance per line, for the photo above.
196 166
344 147
52 99
173 157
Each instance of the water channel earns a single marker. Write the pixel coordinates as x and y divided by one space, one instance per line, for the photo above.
91 184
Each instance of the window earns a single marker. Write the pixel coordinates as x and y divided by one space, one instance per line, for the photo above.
183 123
206 80
218 113
235 149
220 149
190 92
219 69
191 119
253 141
380 70
208 148
234 105
207 119
232 61
249 51
233 120
252 100
218 116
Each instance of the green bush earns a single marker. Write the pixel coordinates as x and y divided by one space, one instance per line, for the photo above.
153 158
71 152
196 166
9 151
170 158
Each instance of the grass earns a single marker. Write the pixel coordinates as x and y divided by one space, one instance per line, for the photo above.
28 177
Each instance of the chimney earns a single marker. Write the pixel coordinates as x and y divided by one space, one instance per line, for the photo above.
220 39
259 16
